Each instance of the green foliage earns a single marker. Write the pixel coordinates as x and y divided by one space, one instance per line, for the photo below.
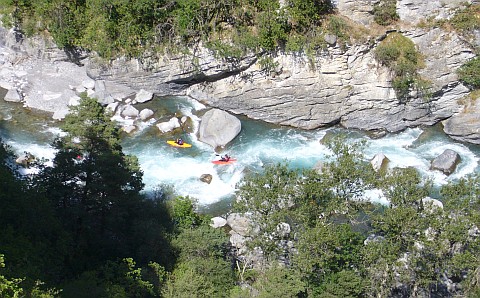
466 20
304 14
200 277
346 283
268 65
223 50
118 279
327 249
269 197
11 288
93 187
201 242
337 26
295 43
271 25
183 213
280 282
64 19
15 12
469 73
399 54
346 174
385 12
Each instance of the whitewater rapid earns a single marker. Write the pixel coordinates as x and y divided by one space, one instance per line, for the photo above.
258 144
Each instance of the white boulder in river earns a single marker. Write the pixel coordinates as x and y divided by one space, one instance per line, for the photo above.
218 128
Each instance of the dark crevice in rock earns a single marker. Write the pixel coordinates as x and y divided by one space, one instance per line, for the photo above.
200 77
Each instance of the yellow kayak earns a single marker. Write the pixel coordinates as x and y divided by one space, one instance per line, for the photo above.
174 144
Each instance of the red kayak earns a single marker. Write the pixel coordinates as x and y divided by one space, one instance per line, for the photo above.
224 162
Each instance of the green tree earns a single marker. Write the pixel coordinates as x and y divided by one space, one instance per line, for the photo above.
281 282
324 251
269 197
306 14
92 184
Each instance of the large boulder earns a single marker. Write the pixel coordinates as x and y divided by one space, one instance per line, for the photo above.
143 96
379 162
239 223
218 128
446 162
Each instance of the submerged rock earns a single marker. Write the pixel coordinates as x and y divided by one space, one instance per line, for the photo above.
207 178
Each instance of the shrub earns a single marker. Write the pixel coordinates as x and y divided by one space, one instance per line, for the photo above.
467 20
469 73
398 53
385 12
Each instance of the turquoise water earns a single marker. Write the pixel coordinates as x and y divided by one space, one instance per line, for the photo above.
257 145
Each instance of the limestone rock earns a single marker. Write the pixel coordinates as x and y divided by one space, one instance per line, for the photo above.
143 96
145 114
330 39
360 11
119 92
25 159
446 162
100 86
112 107
239 223
169 125
431 204
218 222
103 97
129 128
413 11
60 113
379 162
283 229
237 240
74 101
218 128
13 96
130 112
88 83
373 238
465 126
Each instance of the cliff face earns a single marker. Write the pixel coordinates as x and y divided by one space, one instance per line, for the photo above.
343 84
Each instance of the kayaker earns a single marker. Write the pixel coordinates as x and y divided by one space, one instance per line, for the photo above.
225 158
179 141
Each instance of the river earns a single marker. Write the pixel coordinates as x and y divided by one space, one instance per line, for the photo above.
257 145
